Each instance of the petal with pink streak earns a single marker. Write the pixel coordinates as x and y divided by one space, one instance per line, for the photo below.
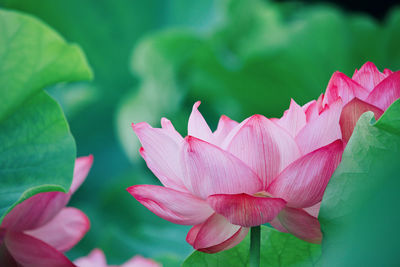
211 170
351 113
294 119
386 92
341 86
225 126
35 211
81 170
197 125
31 252
322 130
264 146
64 231
161 153
246 210
302 184
301 224
96 258
139 261
215 234
369 76
171 205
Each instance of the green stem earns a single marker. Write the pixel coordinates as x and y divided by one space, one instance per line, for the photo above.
255 246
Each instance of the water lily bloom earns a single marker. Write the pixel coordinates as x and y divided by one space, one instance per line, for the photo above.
243 174
96 258
368 90
37 231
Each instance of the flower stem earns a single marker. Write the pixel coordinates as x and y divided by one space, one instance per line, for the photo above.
255 246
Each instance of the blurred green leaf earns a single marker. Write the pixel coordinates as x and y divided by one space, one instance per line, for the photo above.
359 209
37 150
277 250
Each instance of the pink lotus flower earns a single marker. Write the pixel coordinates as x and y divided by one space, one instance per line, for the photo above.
368 90
242 175
96 258
37 231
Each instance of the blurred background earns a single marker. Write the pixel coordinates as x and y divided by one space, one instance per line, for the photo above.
155 58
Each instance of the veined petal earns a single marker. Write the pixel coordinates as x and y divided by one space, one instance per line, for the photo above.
322 130
171 205
386 92
246 210
278 226
210 170
170 130
294 119
81 170
35 211
197 125
161 153
369 76
139 261
215 234
351 113
31 252
301 224
64 231
225 126
302 184
341 86
264 146
96 258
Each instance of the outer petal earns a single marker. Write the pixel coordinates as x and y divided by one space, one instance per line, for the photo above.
341 86
170 130
215 234
63 231
264 146
225 126
5 257
246 210
139 261
322 130
81 170
369 76
161 153
386 92
211 170
96 258
171 205
198 126
35 211
302 184
294 119
31 252
351 113
301 224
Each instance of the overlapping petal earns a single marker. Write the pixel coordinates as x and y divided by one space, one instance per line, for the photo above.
225 126
171 205
386 92
64 231
246 210
264 146
369 76
210 170
215 234
31 252
81 170
294 119
322 130
351 113
161 153
341 86
96 258
302 183
301 224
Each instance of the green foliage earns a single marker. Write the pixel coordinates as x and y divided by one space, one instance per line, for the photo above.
277 250
254 60
359 211
37 150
